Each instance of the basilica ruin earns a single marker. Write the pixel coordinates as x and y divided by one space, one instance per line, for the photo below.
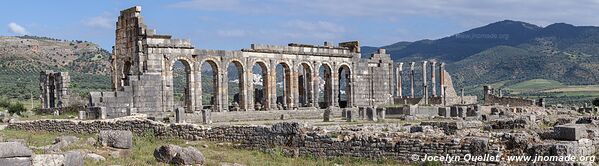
325 101
143 62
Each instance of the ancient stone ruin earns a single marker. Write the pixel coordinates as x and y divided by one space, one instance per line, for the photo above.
54 87
371 108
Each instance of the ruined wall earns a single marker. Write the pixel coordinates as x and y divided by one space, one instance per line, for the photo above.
295 139
491 99
54 88
374 80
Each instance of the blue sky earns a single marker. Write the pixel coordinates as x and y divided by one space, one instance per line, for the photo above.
235 24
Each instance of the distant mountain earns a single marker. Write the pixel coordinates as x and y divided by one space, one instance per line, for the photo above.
511 51
23 57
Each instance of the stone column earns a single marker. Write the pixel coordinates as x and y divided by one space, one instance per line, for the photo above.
412 78
314 82
248 89
424 83
433 81
398 82
223 104
272 78
442 78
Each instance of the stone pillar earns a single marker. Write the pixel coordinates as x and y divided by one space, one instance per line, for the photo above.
433 81
398 72
224 89
424 83
412 78
82 115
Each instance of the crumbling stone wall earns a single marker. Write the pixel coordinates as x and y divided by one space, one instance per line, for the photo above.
491 99
54 88
294 138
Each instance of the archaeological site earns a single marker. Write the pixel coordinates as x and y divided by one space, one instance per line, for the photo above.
314 102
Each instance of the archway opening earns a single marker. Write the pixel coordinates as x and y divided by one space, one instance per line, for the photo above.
209 78
235 86
344 93
260 82
283 86
325 87
126 72
305 85
181 77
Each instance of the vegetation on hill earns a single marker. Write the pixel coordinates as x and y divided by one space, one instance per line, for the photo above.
22 58
510 52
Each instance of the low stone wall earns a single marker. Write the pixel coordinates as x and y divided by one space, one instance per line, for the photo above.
511 101
294 138
236 116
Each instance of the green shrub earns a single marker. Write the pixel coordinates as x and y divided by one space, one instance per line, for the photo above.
16 108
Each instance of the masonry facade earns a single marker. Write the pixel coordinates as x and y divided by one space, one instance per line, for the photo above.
54 88
143 61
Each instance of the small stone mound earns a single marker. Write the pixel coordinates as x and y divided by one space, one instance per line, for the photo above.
177 155
121 139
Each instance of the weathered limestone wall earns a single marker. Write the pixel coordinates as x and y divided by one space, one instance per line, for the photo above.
295 139
54 88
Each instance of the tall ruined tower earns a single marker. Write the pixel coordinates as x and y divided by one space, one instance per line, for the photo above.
127 54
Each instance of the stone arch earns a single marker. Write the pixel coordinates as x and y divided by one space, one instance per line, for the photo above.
325 73
286 100
238 98
211 99
188 92
344 92
305 84
263 96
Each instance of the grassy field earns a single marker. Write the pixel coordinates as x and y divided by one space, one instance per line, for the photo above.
553 91
215 154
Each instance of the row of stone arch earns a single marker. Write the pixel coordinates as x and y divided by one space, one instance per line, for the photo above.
301 86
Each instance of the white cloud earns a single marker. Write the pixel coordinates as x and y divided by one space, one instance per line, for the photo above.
17 29
104 22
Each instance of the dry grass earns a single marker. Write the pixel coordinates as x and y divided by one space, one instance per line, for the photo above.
216 154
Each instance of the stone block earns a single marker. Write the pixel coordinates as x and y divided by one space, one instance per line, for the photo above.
571 132
82 115
102 113
14 149
206 116
16 161
326 116
380 112
122 139
371 114
48 160
180 115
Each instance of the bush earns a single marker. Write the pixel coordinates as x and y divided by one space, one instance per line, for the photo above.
16 108
596 101
4 102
